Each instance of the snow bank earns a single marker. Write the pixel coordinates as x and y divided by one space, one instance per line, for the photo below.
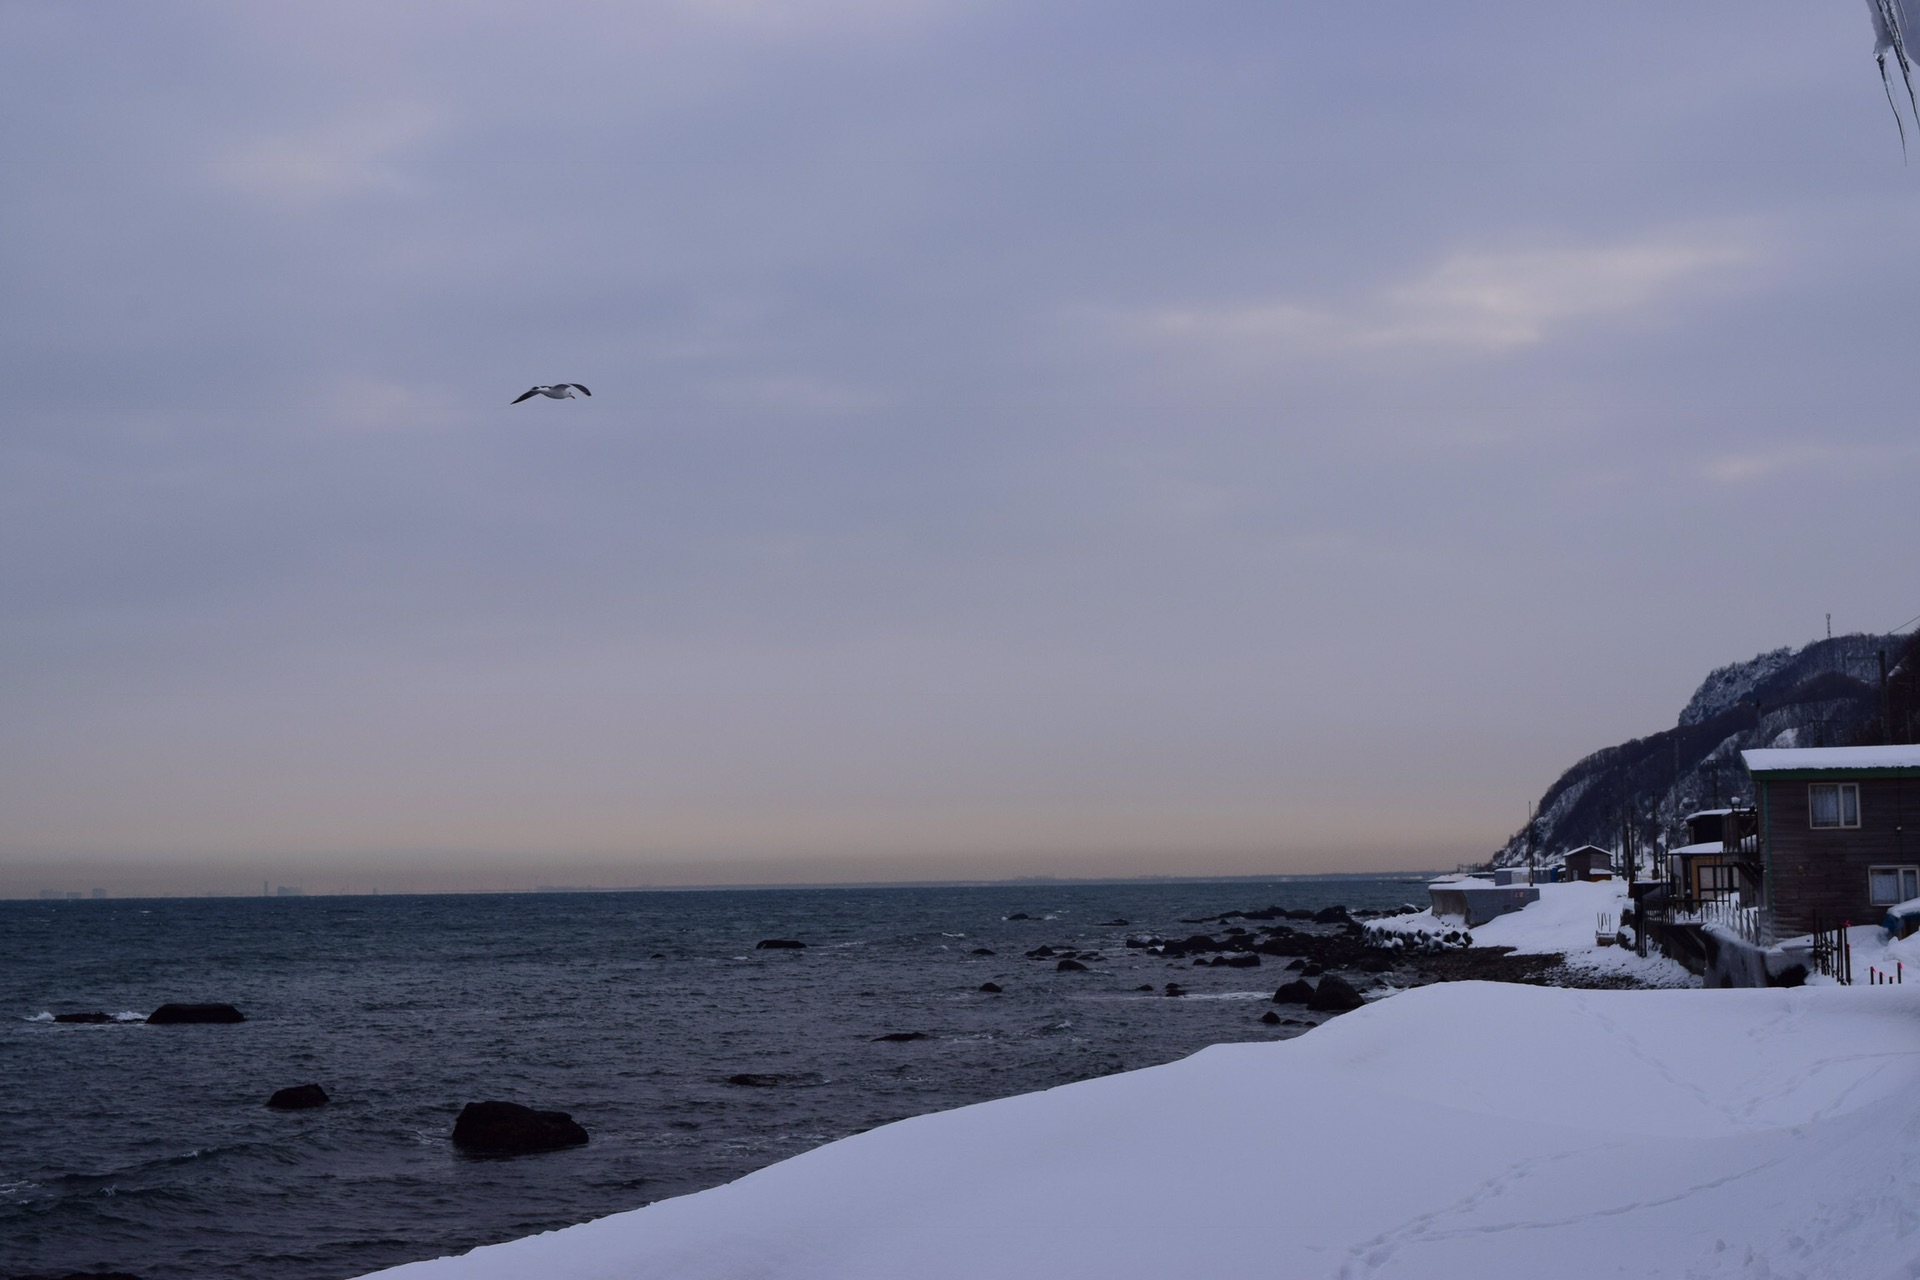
1464 1129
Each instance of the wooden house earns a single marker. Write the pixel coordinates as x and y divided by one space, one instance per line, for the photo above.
1720 861
1833 832
1589 862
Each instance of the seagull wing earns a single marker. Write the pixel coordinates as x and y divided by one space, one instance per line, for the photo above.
517 399
581 389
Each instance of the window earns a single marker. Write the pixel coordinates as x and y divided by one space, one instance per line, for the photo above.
1888 885
1717 880
1833 804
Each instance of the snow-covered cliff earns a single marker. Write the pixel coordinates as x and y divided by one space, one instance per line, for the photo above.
1826 694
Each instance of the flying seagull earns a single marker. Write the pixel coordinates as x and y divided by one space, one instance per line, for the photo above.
558 391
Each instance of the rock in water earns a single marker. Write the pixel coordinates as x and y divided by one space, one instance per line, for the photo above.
1070 966
1240 960
982 951
299 1097
175 1014
1334 995
1271 1018
95 1016
509 1129
900 1037
1295 992
991 988
778 944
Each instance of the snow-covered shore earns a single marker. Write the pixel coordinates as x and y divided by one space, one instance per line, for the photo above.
1563 921
1464 1129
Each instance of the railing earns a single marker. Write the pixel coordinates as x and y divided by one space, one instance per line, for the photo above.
1754 924
1832 953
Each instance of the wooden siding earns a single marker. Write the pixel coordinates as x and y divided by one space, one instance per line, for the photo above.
1822 872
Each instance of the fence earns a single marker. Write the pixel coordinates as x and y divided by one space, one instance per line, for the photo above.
1832 952
1753 924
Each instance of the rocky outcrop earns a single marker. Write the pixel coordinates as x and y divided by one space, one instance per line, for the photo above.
901 1037
1295 992
1334 995
178 1014
778 944
509 1129
299 1097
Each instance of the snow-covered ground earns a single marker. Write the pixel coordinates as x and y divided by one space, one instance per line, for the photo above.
1565 919
1463 1129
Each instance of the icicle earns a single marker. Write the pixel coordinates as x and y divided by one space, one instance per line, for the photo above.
1892 20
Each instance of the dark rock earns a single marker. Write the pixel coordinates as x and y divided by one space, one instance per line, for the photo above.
509 1129
1145 986
95 1016
1298 964
991 988
1374 963
1313 969
658 955
778 944
1071 966
175 1014
299 1097
1334 995
1271 1018
1116 922
1298 913
770 1080
1019 915
984 951
901 1037
1175 989
1041 952
1295 992
1331 915
1245 960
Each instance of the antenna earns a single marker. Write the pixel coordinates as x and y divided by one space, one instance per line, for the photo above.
1829 626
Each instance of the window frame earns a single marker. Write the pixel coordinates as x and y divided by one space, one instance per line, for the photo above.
1840 791
1906 875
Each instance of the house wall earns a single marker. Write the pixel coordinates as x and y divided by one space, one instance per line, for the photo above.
1822 873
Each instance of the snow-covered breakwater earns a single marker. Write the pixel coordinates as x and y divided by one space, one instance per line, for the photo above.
1463 1129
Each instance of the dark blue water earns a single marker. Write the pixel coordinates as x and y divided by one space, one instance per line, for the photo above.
147 1148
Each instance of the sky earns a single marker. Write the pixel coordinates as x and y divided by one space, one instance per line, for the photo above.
1077 438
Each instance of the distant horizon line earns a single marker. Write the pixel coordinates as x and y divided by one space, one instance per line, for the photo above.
283 893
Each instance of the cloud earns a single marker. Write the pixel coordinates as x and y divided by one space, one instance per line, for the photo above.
1755 465
1479 302
354 154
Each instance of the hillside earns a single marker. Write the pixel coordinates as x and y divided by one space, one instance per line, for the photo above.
1826 694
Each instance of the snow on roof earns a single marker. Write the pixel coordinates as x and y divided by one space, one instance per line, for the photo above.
1706 813
1705 846
1786 759
1476 1129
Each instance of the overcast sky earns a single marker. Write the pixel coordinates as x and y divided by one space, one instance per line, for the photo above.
1077 437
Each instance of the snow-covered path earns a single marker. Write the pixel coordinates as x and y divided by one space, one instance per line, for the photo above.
1467 1129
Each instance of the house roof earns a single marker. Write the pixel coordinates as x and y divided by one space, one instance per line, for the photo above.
1706 813
1900 759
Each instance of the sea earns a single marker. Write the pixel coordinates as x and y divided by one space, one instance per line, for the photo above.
148 1149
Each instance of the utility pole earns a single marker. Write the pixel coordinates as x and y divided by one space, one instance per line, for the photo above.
1886 705
1531 814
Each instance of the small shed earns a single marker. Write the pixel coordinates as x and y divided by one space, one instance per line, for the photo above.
1589 862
